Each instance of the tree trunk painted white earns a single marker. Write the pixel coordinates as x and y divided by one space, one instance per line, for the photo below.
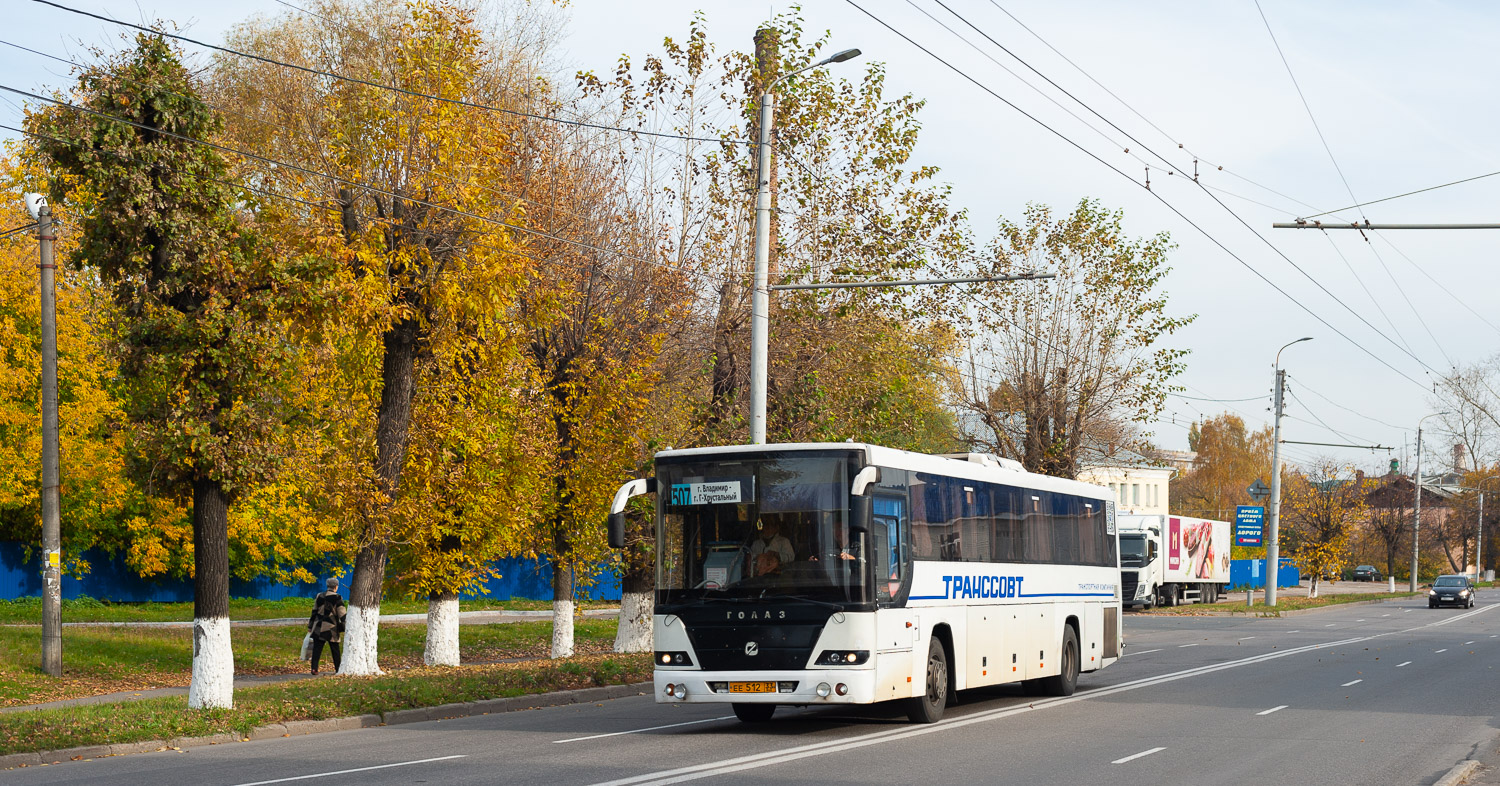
634 631
213 665
442 631
562 628
361 634
1312 591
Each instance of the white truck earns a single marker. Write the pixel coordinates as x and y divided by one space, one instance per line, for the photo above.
1168 560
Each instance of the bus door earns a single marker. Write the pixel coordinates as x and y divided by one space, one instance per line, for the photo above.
897 629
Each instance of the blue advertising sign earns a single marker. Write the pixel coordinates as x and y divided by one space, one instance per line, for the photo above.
1247 525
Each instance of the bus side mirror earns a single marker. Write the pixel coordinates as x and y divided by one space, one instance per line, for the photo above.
617 530
861 508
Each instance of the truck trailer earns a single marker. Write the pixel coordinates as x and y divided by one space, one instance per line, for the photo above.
1168 560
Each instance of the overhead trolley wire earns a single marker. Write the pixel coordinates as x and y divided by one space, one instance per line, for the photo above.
379 86
1311 312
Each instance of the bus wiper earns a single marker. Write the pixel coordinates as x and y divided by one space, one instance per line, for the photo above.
805 599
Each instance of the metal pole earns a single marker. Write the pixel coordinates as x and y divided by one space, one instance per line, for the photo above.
1273 549
1479 544
1416 519
1368 225
51 501
760 301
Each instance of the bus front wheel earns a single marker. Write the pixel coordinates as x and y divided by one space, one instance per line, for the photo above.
928 708
754 713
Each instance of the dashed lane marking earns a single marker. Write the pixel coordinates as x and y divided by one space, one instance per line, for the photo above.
1180 646
1399 665
1273 709
638 731
1142 652
1354 682
1137 756
357 769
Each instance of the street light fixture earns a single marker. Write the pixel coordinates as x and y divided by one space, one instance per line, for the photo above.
1273 547
1416 517
760 299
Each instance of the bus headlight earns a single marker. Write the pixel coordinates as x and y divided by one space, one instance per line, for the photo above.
842 657
674 658
824 690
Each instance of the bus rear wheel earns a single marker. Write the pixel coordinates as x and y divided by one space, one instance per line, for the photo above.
1066 682
928 708
753 713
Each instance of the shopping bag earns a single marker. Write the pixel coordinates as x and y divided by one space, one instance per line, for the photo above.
307 646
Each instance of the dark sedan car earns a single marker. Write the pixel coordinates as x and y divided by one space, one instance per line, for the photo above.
1455 590
1366 573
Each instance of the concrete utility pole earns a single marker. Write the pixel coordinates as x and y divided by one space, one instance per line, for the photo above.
51 500
760 298
1416 517
1273 547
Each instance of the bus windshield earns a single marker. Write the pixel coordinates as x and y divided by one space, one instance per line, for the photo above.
756 527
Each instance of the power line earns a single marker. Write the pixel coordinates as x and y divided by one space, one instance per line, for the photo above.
1297 267
392 88
1218 400
1407 194
1159 129
343 180
1314 314
1439 284
1309 389
1349 189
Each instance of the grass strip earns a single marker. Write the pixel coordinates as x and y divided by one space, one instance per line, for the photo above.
28 611
1283 603
109 660
333 697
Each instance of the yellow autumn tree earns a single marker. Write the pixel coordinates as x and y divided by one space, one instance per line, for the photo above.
1319 510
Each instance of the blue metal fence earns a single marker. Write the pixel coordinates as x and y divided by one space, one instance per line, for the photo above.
1252 573
111 580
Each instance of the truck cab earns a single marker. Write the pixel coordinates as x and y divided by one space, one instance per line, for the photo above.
1140 551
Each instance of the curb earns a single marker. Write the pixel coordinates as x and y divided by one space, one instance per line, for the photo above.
299 728
1459 774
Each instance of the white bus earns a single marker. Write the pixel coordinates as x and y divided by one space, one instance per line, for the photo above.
843 573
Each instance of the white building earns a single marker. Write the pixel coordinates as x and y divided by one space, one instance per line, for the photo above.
1137 490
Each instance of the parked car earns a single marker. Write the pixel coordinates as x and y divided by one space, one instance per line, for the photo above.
1366 573
1455 590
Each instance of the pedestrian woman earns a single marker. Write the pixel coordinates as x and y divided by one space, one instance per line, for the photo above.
327 625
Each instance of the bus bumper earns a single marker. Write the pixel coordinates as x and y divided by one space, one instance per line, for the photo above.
712 687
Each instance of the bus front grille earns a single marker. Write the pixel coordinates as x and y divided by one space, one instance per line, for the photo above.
754 648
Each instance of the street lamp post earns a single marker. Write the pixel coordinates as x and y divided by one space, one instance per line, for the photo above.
1273 548
760 300
1416 517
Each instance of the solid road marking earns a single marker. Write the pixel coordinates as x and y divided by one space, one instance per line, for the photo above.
1347 684
711 769
1294 631
1399 665
1137 756
638 731
1273 709
1142 652
345 772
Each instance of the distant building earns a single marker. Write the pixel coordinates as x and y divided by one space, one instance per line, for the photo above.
1140 484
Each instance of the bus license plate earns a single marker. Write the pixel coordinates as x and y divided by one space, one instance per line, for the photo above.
752 687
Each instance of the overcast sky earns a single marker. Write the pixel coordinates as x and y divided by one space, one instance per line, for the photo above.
1401 92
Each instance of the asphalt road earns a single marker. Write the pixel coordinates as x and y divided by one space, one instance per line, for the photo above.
1393 693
